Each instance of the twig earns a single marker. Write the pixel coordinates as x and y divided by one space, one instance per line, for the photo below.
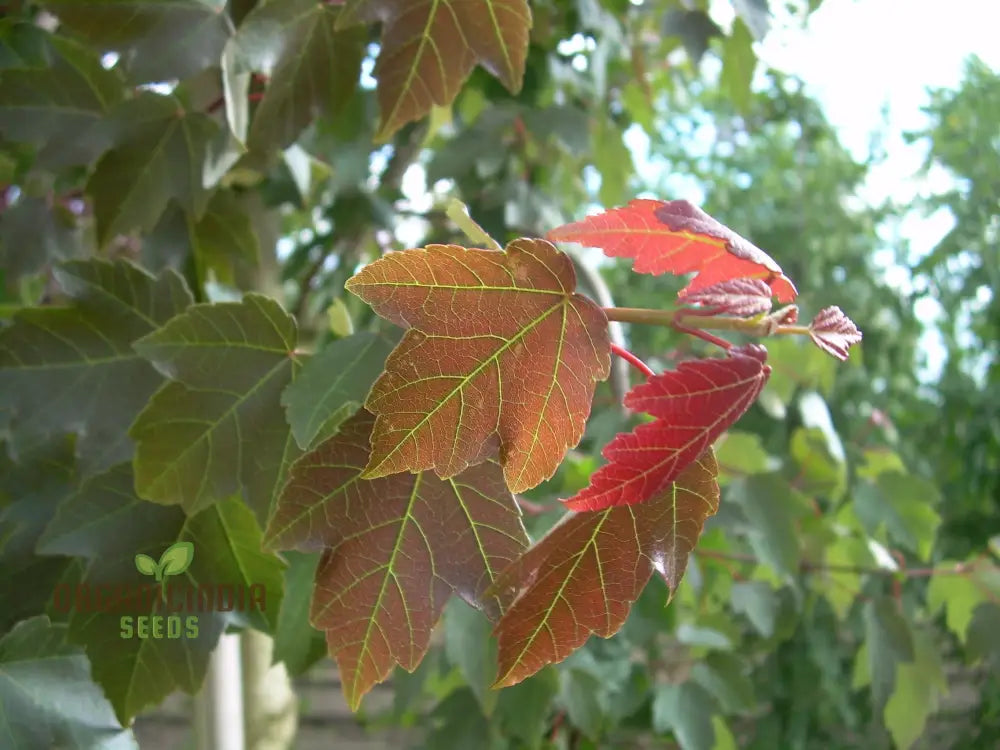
806 565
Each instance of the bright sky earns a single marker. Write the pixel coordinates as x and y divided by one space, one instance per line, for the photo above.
860 56
870 62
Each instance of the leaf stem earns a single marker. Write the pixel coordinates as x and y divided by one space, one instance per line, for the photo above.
632 360
671 318
458 213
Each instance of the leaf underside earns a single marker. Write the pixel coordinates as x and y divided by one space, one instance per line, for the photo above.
584 575
395 549
429 47
693 405
500 351
677 237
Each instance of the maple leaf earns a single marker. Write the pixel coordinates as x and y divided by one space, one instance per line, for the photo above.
743 297
311 67
159 39
396 548
834 332
498 346
677 237
429 47
693 405
583 576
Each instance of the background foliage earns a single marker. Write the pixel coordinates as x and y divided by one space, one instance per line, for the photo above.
845 595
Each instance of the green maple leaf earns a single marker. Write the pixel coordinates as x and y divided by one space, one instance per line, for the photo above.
105 522
47 698
160 153
159 39
230 363
312 67
73 368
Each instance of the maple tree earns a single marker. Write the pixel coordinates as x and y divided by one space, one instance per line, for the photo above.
213 339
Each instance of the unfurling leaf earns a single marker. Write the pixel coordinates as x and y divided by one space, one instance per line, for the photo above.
429 47
395 549
677 237
693 406
743 297
834 332
499 347
584 575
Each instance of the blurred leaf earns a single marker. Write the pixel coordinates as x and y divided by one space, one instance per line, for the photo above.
738 63
888 642
522 710
312 67
223 239
338 318
470 646
695 28
820 471
458 724
920 685
686 711
724 675
160 154
30 492
741 453
902 504
842 587
60 107
769 505
47 698
159 40
755 15
296 642
960 595
428 50
759 602
108 524
332 385
73 369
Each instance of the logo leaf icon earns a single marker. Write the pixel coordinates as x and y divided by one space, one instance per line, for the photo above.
145 564
175 559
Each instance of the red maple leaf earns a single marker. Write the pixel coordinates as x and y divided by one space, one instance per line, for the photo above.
834 332
677 237
693 405
743 297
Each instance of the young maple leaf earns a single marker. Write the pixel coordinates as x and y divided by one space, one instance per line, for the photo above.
583 576
499 347
743 297
395 550
677 237
429 47
834 332
693 405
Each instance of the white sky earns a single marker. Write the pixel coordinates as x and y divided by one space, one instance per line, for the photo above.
860 56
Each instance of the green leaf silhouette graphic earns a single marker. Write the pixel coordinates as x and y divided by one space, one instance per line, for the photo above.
145 564
175 559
